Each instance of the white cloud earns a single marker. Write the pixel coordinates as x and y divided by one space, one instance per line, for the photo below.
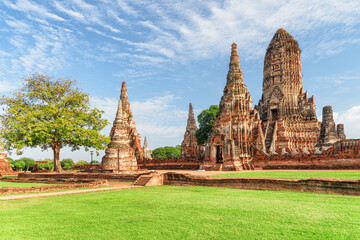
19 26
351 119
126 7
8 86
70 12
28 6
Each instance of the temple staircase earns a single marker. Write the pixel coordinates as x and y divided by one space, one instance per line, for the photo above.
152 179
269 133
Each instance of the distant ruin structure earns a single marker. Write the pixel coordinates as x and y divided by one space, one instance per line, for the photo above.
328 133
146 149
124 148
5 167
288 114
230 144
340 130
189 147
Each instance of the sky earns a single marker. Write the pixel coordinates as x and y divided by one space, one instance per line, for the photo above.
171 53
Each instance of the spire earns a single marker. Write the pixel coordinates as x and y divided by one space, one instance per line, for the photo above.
124 99
191 119
119 110
235 73
145 143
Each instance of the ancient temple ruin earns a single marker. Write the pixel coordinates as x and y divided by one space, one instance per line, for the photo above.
124 148
288 114
5 167
146 149
232 139
189 148
328 133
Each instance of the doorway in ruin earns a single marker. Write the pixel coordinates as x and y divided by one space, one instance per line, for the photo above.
274 114
219 158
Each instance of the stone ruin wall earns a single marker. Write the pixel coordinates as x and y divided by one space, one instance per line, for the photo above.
343 154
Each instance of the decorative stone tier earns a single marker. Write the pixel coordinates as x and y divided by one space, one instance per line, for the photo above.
124 148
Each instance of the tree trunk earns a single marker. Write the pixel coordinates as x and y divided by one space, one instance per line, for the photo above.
57 165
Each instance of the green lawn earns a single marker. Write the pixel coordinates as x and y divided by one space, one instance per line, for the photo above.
171 212
17 184
292 174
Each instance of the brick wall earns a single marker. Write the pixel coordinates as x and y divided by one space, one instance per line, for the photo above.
350 187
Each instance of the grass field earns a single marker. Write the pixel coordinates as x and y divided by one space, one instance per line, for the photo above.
17 184
292 174
171 212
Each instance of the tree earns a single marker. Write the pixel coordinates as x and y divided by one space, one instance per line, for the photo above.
11 161
94 162
166 152
82 162
51 113
19 165
29 162
206 120
67 163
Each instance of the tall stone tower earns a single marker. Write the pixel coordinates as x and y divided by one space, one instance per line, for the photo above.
229 146
328 133
284 106
189 146
146 149
124 148
340 131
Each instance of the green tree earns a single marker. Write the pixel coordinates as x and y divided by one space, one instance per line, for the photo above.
206 120
166 152
19 165
51 113
67 163
82 162
94 162
11 161
29 163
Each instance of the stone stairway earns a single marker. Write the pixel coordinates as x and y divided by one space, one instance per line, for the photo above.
149 180
269 135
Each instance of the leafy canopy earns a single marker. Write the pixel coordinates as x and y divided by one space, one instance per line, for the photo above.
166 152
51 113
206 120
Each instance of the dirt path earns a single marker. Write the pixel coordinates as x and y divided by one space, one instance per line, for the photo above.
114 187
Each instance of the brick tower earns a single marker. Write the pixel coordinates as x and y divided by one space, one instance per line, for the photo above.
124 147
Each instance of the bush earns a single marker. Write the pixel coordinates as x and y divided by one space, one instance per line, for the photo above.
67 163
19 165
29 163
82 162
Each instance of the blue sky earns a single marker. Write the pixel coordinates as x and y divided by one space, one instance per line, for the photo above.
171 53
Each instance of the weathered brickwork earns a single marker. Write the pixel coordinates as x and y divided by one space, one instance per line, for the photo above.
288 114
190 150
124 148
236 126
4 163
